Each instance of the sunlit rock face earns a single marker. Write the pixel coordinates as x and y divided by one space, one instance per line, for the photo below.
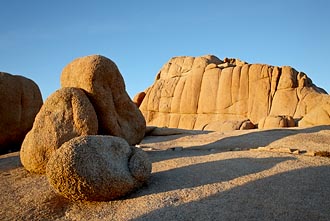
101 79
192 92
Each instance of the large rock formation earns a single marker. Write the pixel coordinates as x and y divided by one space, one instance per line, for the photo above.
100 77
20 102
66 114
192 92
97 168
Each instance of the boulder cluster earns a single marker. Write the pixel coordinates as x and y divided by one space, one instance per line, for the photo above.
212 94
82 134
82 137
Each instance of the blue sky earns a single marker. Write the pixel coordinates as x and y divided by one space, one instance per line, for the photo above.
39 38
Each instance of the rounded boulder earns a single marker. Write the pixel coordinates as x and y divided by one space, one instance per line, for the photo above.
97 168
66 114
105 86
20 102
276 122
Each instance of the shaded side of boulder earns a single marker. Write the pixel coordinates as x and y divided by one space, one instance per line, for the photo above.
66 114
100 77
97 168
20 102
138 98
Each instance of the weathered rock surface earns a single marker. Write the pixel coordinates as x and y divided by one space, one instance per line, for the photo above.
20 102
276 122
66 114
317 116
192 92
229 125
97 168
100 77
138 98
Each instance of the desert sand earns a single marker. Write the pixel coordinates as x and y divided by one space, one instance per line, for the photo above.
197 175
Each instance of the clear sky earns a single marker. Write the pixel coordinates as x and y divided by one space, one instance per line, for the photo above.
39 38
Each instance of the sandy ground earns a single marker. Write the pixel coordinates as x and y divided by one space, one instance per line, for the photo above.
197 176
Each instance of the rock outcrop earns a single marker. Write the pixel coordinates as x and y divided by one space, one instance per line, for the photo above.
101 79
97 168
192 92
20 102
66 114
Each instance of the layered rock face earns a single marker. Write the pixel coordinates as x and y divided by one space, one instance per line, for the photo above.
20 102
192 92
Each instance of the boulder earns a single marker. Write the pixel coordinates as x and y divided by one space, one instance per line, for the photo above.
138 98
97 168
100 77
229 125
247 125
317 116
66 114
276 122
191 92
20 102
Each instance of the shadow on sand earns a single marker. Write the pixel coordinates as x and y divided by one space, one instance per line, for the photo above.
10 162
246 141
259 138
207 173
301 194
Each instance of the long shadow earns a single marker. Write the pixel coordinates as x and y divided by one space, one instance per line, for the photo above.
244 141
168 136
301 194
258 138
207 173
9 162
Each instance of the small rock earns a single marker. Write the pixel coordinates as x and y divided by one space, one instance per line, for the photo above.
310 153
282 150
295 151
247 125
